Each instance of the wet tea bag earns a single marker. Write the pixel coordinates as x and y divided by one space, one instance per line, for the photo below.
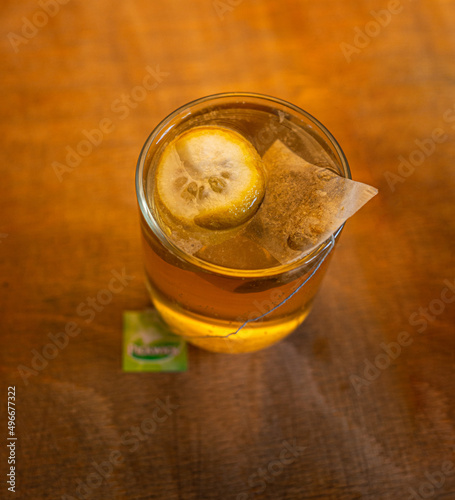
303 205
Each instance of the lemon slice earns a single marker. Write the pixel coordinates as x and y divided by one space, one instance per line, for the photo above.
210 176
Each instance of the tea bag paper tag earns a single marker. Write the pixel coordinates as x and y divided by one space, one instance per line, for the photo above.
149 345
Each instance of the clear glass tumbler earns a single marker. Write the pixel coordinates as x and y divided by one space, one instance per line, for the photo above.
215 306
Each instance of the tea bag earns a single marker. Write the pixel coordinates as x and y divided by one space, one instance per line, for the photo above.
303 205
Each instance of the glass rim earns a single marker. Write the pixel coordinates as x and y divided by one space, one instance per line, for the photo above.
208 266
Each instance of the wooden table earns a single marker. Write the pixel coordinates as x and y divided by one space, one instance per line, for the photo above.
359 402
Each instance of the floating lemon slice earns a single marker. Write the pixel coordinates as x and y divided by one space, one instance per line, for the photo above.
210 176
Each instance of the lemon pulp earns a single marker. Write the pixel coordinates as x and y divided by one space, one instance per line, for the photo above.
210 176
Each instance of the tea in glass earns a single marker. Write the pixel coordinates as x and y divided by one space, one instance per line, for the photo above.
208 197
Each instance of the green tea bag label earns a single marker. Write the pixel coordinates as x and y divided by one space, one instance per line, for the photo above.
149 345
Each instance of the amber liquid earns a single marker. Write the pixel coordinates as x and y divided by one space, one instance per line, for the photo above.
234 312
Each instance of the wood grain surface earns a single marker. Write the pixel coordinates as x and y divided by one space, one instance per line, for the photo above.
311 418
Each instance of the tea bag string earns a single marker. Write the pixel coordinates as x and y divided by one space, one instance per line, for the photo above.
315 270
